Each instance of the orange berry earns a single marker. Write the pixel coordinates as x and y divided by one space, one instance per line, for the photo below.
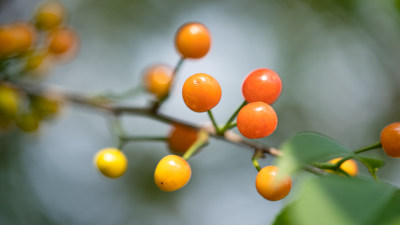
157 80
172 173
390 139
349 166
262 85
201 92
181 138
269 186
16 38
257 120
62 41
193 40
50 15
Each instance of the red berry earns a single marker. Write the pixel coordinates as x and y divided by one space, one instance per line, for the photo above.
257 120
262 85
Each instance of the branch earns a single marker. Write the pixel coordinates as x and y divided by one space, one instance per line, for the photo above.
109 107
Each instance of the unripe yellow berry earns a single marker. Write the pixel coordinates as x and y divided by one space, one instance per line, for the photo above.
111 162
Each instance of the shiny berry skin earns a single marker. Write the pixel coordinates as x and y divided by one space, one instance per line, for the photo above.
62 41
348 166
201 92
16 38
262 85
390 139
157 80
50 15
181 138
172 173
111 162
257 120
193 40
271 187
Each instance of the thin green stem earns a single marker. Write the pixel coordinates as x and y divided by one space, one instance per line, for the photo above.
201 141
257 155
228 123
232 125
370 147
119 131
142 138
340 162
178 66
217 130
256 164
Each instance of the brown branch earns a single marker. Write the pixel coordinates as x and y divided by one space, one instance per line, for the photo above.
110 107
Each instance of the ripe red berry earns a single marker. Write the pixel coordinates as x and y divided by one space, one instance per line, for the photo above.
262 85
257 120
193 40
201 92
270 187
390 139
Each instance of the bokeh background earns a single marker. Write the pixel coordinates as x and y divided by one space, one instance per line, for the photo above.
339 62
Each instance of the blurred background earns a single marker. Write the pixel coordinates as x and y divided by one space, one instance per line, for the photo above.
338 60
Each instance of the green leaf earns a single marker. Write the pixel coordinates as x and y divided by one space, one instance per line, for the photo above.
333 200
307 147
372 164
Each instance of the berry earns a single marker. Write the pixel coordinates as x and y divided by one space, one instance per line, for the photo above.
62 41
28 122
348 166
172 173
181 138
269 186
36 61
16 38
111 162
390 139
193 40
50 15
262 85
9 101
157 80
201 92
257 120
46 106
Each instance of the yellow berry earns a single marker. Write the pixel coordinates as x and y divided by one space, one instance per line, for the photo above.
172 173
28 122
111 162
8 101
349 166
50 15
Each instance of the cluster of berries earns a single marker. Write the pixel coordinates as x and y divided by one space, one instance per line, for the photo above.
201 92
27 50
